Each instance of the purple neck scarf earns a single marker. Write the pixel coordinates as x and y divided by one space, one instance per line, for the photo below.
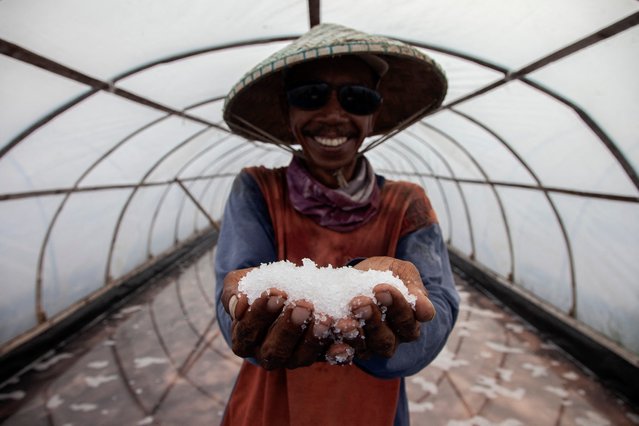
341 209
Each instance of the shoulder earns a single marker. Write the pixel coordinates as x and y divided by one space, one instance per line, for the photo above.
418 211
404 190
265 177
263 172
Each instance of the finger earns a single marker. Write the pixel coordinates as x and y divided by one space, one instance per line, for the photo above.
409 274
424 308
313 344
378 336
400 315
340 353
231 298
238 305
284 336
351 333
249 330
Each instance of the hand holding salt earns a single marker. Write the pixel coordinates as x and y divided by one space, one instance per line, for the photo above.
289 316
329 289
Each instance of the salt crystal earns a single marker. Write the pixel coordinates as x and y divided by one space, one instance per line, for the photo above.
16 395
146 361
83 407
343 358
329 289
54 402
98 364
44 365
96 381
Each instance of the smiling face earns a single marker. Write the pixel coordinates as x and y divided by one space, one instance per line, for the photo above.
330 136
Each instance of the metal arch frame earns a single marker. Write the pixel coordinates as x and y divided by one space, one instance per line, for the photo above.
208 186
95 85
213 198
611 30
40 312
437 182
469 223
24 55
392 172
198 205
201 199
107 273
205 190
562 226
181 207
511 276
207 169
41 315
313 12
168 187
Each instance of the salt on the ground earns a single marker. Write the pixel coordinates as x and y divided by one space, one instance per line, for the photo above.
329 289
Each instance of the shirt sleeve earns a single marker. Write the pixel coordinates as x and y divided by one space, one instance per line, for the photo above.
246 239
426 249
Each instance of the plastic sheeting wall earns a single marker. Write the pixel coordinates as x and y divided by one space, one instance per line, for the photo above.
111 112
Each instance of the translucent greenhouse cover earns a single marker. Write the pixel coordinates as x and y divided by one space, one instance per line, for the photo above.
111 126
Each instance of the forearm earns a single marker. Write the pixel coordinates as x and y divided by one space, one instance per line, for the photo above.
412 357
245 240
426 250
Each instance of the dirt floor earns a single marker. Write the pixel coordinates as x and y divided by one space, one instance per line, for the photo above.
160 360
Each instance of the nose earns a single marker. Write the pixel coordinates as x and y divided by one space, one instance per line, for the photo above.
333 110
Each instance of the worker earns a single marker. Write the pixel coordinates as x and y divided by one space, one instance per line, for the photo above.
326 93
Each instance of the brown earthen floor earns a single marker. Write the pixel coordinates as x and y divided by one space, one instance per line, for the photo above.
160 360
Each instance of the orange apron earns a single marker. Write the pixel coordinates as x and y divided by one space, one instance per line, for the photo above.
325 394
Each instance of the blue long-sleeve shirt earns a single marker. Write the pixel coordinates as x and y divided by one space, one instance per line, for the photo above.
247 239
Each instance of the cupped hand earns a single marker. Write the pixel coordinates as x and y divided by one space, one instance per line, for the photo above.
390 319
277 334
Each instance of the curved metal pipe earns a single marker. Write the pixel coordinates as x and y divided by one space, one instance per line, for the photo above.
181 207
469 224
504 218
562 226
41 315
107 274
168 187
219 190
437 182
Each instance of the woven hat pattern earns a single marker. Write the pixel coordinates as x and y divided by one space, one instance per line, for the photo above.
257 97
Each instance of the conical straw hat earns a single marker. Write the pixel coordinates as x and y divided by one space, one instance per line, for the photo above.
413 85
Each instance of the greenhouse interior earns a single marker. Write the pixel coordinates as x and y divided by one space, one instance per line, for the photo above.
116 164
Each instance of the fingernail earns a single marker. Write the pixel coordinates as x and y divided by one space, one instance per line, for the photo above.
274 303
320 330
363 312
342 357
232 306
351 334
299 315
384 298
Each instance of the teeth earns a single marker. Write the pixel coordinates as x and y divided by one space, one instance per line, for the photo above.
330 141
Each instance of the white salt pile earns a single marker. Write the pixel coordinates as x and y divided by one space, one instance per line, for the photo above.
329 289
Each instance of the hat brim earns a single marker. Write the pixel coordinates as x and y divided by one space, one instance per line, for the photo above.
413 86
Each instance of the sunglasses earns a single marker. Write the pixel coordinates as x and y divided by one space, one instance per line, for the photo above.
354 99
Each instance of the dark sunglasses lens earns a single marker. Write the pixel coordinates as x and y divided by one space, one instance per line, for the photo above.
359 100
309 96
